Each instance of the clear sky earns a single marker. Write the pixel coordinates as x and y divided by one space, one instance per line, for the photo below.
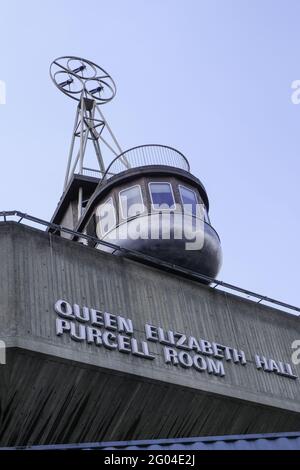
209 77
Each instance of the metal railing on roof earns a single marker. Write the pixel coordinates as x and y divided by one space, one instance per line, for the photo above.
92 172
214 283
144 155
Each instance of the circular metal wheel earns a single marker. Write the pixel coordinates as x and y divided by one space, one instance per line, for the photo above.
75 76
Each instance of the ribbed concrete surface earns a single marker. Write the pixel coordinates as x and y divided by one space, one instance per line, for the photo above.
54 390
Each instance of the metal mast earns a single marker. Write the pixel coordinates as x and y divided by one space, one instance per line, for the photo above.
91 86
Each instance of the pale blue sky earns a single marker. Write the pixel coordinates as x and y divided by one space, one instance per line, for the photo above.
209 77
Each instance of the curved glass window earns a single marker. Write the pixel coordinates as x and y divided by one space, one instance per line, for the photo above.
106 216
162 196
131 202
189 200
190 203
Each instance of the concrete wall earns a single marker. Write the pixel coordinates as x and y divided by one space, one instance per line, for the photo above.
53 387
70 219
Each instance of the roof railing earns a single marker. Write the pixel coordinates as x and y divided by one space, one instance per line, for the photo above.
94 173
145 155
214 283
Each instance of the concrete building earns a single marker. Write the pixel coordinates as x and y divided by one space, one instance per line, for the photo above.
118 339
64 382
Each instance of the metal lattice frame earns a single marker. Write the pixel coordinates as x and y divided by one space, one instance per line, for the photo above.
91 86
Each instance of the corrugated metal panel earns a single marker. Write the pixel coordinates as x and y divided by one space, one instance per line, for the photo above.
281 441
286 441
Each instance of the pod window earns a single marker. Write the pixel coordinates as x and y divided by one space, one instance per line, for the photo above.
131 202
189 200
190 203
162 196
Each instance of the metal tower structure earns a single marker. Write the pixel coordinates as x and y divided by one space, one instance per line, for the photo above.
91 86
